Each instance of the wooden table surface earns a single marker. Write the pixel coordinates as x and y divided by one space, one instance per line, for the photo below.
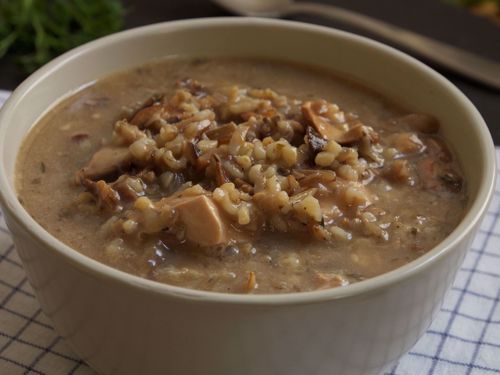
434 18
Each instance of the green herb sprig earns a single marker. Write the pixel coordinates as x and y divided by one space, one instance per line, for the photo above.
35 31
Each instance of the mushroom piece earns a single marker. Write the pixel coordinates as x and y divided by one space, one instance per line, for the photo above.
311 111
129 188
314 140
144 117
220 173
192 152
106 161
148 108
193 130
244 186
367 150
222 133
108 199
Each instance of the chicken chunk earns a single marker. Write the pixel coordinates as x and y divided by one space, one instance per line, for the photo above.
203 222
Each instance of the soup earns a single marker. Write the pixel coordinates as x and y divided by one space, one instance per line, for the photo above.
240 176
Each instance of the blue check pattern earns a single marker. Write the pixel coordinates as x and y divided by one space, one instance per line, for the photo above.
463 340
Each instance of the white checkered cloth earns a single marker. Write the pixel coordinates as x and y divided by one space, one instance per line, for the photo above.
463 340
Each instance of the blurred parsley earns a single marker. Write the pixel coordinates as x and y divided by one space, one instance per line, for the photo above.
35 31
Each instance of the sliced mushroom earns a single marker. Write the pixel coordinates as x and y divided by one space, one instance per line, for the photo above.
314 140
220 173
222 133
204 160
145 116
129 188
311 111
108 199
147 176
106 161
194 129
367 150
244 186
127 133
192 152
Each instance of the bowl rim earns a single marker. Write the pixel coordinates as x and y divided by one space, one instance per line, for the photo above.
17 213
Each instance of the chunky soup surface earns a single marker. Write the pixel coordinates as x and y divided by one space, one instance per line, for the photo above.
240 176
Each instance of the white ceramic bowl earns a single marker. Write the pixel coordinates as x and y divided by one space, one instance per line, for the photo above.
122 324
